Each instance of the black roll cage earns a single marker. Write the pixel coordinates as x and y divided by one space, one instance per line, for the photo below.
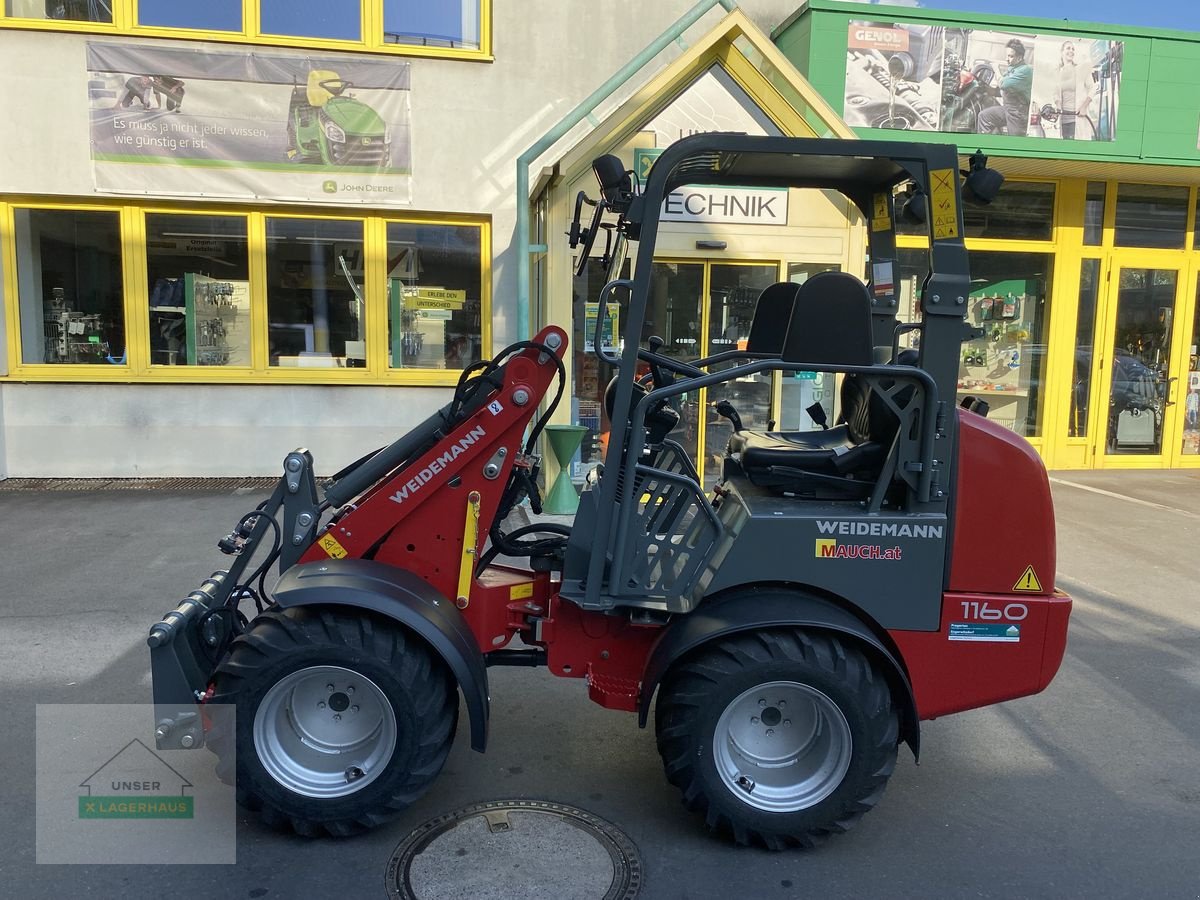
868 173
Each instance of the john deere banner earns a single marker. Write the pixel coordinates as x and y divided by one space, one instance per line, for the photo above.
929 78
225 123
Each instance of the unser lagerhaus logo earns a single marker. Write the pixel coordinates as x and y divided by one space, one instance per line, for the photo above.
136 783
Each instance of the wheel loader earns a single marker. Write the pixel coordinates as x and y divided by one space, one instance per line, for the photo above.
787 630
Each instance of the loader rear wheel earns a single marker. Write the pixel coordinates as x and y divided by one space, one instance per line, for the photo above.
342 720
780 737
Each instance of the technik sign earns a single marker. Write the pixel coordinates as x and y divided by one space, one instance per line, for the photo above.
736 206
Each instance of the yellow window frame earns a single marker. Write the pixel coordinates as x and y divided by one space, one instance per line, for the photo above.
138 366
125 22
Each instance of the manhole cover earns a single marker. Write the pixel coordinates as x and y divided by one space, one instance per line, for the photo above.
516 848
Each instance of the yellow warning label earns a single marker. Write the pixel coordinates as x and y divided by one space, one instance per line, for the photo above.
331 546
520 591
881 219
1028 582
943 206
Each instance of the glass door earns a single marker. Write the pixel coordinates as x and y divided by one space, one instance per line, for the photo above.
1187 389
1137 367
733 291
702 308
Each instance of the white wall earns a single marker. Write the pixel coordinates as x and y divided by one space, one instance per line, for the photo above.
141 431
470 123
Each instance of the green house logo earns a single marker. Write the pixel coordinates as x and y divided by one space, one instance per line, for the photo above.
136 783
329 187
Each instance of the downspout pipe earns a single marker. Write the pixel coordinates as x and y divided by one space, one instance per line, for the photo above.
577 115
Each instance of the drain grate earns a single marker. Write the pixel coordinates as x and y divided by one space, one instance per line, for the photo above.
214 485
516 848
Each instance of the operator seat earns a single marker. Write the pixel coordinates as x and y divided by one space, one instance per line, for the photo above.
772 317
831 325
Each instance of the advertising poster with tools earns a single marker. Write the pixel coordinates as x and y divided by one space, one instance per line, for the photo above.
912 77
225 123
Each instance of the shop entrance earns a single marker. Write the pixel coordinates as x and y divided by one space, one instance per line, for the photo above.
1141 371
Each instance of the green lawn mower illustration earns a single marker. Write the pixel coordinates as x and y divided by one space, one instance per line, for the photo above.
326 125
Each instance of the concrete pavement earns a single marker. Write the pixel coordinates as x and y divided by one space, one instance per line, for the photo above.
1091 789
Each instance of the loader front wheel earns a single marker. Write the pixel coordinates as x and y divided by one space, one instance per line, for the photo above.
342 720
780 737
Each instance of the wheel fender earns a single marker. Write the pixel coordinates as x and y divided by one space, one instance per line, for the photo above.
406 599
750 612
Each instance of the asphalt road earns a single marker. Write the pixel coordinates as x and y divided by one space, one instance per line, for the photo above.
1091 789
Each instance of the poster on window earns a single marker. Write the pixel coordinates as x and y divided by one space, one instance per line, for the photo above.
248 125
912 77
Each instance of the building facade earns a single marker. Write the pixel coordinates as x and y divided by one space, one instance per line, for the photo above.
231 228
235 227
1087 265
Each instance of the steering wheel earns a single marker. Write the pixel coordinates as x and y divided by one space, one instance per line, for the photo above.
336 86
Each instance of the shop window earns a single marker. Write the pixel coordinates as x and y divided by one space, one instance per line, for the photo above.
1022 211
329 19
67 10
1093 213
449 23
1151 215
210 15
435 296
1196 235
197 270
1006 366
314 295
1085 346
69 286
1191 393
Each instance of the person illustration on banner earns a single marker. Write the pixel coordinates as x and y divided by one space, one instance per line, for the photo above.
168 91
140 88
1072 91
1011 116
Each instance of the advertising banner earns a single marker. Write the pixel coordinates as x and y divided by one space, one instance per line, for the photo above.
960 80
248 125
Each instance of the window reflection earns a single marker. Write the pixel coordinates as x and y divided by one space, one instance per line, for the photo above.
197 271
69 286
314 302
1191 392
1085 344
69 10
211 15
434 296
1009 302
1151 215
447 23
331 19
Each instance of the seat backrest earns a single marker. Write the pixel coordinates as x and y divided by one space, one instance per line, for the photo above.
831 322
772 315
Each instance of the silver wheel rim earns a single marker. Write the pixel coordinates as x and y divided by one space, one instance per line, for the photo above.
325 731
782 746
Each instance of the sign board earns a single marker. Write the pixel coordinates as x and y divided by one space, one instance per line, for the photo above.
742 206
433 298
919 77
205 121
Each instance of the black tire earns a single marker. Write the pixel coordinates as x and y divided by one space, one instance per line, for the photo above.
403 673
699 690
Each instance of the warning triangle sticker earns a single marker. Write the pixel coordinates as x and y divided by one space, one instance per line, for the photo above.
1028 582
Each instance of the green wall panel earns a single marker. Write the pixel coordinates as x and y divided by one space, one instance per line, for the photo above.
1158 111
